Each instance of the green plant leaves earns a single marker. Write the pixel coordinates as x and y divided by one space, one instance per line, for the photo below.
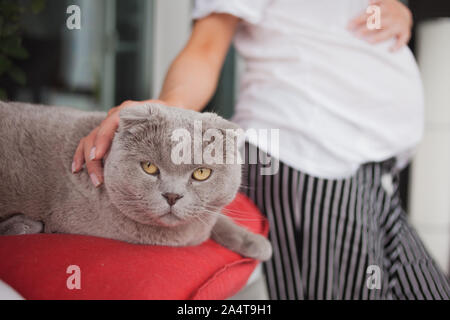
5 64
11 48
17 75
3 95
37 6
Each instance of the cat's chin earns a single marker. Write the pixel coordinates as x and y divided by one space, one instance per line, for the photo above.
170 219
164 220
167 219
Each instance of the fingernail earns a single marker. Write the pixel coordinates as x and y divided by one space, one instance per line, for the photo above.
92 154
94 179
74 167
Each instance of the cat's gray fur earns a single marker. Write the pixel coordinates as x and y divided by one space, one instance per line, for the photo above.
37 144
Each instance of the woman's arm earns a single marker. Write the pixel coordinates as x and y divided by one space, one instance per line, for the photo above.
192 78
190 83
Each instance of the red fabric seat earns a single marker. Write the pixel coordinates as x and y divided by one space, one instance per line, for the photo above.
36 265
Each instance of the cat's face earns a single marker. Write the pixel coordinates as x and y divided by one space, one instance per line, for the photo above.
148 186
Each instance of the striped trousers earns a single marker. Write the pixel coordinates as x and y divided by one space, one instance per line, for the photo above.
343 238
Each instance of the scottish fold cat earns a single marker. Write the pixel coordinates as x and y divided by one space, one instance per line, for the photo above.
146 198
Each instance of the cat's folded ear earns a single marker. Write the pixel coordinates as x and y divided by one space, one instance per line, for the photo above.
214 121
138 115
228 128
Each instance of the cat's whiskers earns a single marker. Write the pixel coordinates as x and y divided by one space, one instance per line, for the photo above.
218 213
206 224
242 186
234 213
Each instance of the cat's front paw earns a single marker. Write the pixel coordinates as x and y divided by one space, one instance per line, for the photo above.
257 247
20 224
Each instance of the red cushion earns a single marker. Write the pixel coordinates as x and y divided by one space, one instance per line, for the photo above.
36 265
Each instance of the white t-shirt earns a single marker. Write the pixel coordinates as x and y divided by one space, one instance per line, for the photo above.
338 100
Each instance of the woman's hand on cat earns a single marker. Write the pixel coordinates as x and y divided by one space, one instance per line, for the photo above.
395 22
94 146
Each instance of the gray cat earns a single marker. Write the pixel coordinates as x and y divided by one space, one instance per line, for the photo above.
145 199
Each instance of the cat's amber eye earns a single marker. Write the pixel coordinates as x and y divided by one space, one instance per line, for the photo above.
201 174
149 167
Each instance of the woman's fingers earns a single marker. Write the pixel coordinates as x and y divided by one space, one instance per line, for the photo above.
395 22
402 40
112 110
93 147
107 129
83 155
382 35
78 158
105 135
94 167
364 32
358 22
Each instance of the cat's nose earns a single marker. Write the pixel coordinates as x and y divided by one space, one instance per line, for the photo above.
172 198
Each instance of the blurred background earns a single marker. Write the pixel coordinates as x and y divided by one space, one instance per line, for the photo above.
124 47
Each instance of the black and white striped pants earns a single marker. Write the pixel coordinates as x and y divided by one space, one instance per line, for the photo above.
342 239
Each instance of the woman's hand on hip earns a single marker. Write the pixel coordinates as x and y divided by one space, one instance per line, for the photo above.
395 22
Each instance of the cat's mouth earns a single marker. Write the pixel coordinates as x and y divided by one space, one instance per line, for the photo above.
170 214
170 217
